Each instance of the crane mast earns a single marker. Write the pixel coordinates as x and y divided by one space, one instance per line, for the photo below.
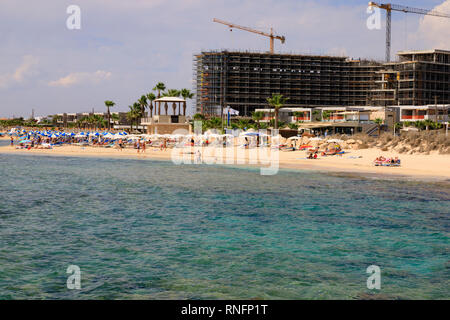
389 7
270 35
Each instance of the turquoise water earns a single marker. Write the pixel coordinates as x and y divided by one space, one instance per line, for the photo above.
143 229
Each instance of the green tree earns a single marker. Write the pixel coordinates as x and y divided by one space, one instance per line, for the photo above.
326 114
258 116
142 104
160 86
115 118
277 101
199 117
172 93
134 114
293 126
379 123
419 124
428 123
151 97
186 94
316 115
243 124
109 104
214 123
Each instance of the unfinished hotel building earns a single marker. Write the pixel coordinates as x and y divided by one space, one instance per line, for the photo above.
244 80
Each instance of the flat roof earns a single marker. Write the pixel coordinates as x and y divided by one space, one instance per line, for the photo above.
401 53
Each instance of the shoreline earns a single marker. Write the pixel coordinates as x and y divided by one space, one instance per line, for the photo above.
433 168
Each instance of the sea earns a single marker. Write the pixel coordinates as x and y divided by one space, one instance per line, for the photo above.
146 229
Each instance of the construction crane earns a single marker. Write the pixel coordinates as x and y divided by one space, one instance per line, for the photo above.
389 7
270 35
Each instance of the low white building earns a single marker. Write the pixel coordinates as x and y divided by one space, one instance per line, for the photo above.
438 113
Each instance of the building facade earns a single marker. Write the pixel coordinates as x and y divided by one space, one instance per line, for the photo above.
419 78
244 80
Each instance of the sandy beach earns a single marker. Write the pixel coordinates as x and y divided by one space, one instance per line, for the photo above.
423 167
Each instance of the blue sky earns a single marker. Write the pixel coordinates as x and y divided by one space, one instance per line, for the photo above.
125 47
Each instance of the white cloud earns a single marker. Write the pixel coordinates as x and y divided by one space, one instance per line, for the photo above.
23 71
434 32
81 78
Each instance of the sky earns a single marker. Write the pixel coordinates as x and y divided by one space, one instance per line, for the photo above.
125 47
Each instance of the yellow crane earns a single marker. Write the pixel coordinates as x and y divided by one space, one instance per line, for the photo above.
389 7
270 35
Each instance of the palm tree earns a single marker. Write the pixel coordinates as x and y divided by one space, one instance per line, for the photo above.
326 114
186 94
151 96
243 123
293 126
160 86
137 110
130 117
115 117
172 93
143 104
134 114
214 123
277 101
379 123
97 121
199 117
316 115
398 126
428 123
109 104
55 119
257 116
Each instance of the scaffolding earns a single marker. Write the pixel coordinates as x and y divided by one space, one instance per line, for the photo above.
244 80
418 78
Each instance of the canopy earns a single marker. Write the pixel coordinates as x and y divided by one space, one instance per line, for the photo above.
170 99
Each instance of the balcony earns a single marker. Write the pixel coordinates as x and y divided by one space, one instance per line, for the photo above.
413 117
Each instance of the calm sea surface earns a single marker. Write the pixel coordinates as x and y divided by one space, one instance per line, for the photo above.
143 229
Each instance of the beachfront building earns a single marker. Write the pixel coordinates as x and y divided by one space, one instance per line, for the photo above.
338 87
244 80
348 120
437 113
162 122
288 115
419 78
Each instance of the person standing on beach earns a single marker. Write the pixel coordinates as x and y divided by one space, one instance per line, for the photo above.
12 142
138 146
143 147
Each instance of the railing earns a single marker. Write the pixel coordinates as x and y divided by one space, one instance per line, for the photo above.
146 120
411 117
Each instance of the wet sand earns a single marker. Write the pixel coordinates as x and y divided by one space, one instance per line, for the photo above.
428 167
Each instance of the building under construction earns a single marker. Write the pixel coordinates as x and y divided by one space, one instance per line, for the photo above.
244 80
418 78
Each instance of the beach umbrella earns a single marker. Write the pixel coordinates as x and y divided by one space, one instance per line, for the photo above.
251 134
